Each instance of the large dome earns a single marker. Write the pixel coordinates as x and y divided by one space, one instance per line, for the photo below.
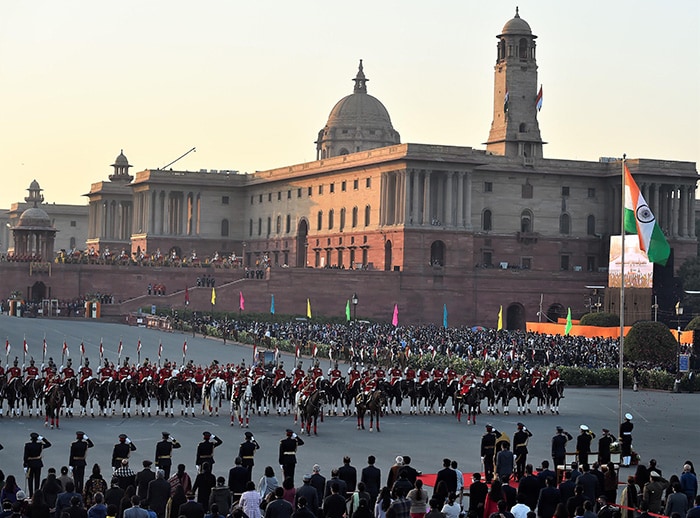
516 26
358 122
34 217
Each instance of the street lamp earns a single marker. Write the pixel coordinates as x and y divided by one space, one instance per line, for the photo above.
354 301
679 314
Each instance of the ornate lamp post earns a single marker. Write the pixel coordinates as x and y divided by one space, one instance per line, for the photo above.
354 301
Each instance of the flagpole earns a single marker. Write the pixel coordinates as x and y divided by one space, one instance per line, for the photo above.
620 381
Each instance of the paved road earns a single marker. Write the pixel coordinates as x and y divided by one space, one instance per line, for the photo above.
665 424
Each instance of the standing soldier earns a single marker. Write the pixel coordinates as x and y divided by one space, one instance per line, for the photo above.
164 453
520 439
583 444
33 451
559 446
205 450
288 453
626 440
122 450
247 453
76 459
488 450
604 447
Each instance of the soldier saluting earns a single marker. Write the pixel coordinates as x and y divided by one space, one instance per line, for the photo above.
76 458
122 450
33 451
205 449
288 453
247 453
164 453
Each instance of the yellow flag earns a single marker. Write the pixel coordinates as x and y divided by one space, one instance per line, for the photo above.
213 296
308 308
500 319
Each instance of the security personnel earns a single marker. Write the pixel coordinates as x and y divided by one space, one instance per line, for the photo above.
520 439
122 450
76 459
626 440
288 453
205 449
488 450
583 444
164 453
33 451
247 452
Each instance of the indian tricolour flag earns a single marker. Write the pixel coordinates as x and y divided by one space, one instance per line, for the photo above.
641 221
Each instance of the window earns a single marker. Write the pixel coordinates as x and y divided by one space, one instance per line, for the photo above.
564 190
289 194
288 224
250 229
564 224
332 187
591 192
224 228
590 263
279 195
331 213
251 199
259 226
486 223
488 186
319 220
260 199
224 200
269 196
487 258
526 224
368 183
527 191
278 225
564 262
590 225
342 218
299 192
354 217
269 225
343 186
73 223
526 263
356 184
320 189
367 215
310 191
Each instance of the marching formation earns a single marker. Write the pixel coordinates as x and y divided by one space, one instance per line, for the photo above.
265 387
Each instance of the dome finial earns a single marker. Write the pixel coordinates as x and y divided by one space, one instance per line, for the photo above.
517 12
360 81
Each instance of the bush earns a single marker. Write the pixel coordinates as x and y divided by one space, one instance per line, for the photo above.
693 324
651 342
600 320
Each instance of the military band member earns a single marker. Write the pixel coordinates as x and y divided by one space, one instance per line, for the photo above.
288 453
205 449
33 451
76 459
247 453
122 450
164 453
520 439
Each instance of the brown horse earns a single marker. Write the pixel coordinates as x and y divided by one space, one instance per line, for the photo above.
53 401
374 403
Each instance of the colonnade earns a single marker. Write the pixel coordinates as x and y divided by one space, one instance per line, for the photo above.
167 213
111 219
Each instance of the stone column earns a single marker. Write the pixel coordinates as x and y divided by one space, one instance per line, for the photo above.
449 219
415 191
426 198
683 211
460 199
675 211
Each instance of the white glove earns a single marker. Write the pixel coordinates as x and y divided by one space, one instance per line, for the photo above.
294 436
252 439
128 441
172 439
482 459
110 379
40 438
213 436
27 469
525 428
85 437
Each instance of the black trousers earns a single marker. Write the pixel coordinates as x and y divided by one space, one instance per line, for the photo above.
79 478
288 470
33 480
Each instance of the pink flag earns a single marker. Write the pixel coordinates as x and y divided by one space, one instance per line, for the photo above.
395 318
241 301
26 347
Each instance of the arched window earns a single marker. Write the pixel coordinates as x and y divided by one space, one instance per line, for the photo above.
437 253
522 128
526 221
288 224
319 220
367 214
331 213
224 228
522 48
269 225
344 151
565 224
72 243
486 223
354 217
342 218
590 225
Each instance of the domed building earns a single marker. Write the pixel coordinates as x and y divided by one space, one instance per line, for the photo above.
34 233
358 122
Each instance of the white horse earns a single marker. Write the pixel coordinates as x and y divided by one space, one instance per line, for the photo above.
241 404
213 395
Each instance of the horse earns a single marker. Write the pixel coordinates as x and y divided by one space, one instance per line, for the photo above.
13 393
127 391
310 409
86 392
3 386
145 391
280 395
213 394
519 392
394 395
107 393
70 393
373 402
539 392
334 394
441 393
166 395
350 393
241 403
260 389
33 391
53 400
555 392
471 400
425 396
187 392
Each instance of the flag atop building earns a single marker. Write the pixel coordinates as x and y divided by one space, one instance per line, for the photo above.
538 101
641 221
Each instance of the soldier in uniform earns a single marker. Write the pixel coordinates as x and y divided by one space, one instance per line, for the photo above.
552 376
380 374
165 373
14 372
76 458
559 446
536 376
247 453
125 370
145 371
106 372
437 374
280 374
395 375
122 450
288 453
520 439
334 374
488 450
164 453
626 440
31 372
353 375
317 372
85 371
604 447
423 376
33 451
205 449
49 369
67 372
583 444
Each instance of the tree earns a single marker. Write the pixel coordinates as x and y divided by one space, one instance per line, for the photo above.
651 342
689 274
600 320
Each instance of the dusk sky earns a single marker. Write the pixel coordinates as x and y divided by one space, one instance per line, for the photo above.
250 84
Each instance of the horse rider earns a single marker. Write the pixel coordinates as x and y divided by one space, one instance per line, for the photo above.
536 376
317 372
124 371
514 376
164 374
395 375
410 373
437 374
50 368
486 376
187 372
67 372
466 382
353 375
423 376
380 374
369 383
451 375
199 376
334 374
31 372
307 387
14 372
257 372
51 379
280 374
503 376
146 371
552 376
85 371
241 368
106 372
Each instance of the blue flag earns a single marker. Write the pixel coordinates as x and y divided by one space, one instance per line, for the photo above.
272 304
444 316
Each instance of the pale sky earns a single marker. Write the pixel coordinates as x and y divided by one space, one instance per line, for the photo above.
250 84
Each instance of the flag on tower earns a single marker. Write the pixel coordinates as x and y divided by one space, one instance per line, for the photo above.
538 101
641 221
505 102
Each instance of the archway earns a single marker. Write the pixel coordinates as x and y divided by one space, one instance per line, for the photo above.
387 256
302 234
437 253
515 317
38 292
